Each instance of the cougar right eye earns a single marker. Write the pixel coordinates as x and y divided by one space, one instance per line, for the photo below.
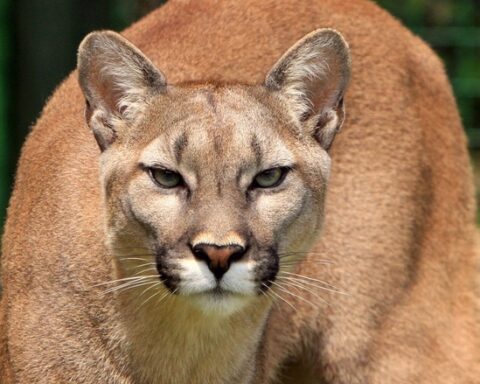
165 178
270 178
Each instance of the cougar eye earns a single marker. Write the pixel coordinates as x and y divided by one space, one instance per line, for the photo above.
270 178
165 178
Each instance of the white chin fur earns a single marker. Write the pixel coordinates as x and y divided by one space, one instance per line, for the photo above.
220 304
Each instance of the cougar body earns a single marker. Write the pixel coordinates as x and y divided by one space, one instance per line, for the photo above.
379 268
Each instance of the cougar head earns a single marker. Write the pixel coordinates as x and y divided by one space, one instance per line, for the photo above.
211 189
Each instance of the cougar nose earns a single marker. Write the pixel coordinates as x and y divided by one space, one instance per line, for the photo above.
218 258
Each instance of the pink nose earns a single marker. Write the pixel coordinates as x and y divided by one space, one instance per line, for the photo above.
218 258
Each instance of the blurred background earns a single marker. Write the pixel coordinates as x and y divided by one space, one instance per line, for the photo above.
39 38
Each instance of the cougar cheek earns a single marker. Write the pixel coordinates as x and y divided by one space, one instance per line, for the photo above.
150 208
279 210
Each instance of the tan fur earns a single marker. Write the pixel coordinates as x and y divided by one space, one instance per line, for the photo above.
398 227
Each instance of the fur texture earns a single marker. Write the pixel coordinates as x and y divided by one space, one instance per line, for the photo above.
398 235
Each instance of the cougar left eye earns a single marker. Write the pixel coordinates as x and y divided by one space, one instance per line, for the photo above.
165 178
270 178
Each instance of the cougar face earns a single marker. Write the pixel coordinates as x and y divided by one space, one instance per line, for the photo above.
211 189
220 192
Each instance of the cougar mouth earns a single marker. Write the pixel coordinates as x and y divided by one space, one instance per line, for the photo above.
193 277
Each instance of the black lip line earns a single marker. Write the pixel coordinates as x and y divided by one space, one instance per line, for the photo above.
171 282
266 281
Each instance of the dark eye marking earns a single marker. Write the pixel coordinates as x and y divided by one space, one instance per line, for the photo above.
179 146
256 149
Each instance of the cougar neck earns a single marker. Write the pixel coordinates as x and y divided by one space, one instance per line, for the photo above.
169 340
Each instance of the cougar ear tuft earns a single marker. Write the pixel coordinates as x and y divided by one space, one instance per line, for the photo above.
312 78
116 80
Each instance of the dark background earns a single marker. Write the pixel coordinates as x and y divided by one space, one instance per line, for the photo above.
39 38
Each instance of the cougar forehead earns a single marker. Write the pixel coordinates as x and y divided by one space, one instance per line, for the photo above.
197 128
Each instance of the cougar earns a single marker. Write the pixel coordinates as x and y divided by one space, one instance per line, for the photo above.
182 213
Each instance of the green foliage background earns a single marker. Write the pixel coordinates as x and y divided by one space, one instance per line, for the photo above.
38 40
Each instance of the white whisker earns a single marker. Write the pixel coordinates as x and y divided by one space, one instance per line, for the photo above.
132 258
276 294
151 297
128 285
120 280
294 295
143 271
308 280
305 288
144 265
155 283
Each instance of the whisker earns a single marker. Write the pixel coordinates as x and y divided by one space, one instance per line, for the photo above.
294 295
152 296
132 258
270 297
144 265
304 256
331 288
264 293
122 248
128 285
141 284
126 256
305 288
311 252
120 280
296 257
277 295
302 261
293 253
143 271
154 284
310 284
168 295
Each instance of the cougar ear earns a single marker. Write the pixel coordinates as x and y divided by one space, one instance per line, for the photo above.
116 79
312 77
